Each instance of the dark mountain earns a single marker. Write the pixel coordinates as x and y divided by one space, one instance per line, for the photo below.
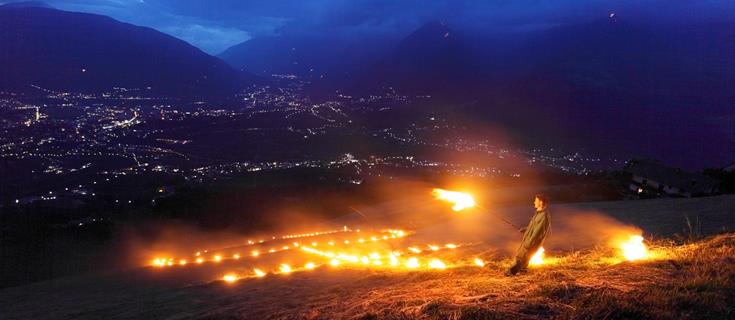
650 90
609 85
313 57
431 60
77 51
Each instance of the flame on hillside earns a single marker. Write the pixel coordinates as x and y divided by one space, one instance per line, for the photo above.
459 200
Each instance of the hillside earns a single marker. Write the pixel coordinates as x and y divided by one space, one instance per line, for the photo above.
62 50
679 280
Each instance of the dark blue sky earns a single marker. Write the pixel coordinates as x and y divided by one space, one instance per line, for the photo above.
214 25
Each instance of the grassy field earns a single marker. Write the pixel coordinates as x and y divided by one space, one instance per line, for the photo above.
686 278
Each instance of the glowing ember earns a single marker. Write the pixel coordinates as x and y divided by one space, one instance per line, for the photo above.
537 258
412 263
459 200
437 264
414 250
259 273
334 262
451 246
255 253
284 268
634 248
230 278
236 256
182 262
217 258
200 260
158 262
433 247
393 260
310 266
479 262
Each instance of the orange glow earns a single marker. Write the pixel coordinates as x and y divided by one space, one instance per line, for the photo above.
479 262
236 256
537 258
230 278
634 249
259 273
437 264
412 263
310 266
254 253
158 262
284 268
459 200
217 258
200 260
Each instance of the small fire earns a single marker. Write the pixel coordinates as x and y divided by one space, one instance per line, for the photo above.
412 263
537 258
460 200
437 264
259 273
284 268
230 278
634 249
479 262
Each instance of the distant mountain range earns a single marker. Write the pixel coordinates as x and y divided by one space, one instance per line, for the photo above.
78 51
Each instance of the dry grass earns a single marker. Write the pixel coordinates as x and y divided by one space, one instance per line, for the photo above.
691 281
694 281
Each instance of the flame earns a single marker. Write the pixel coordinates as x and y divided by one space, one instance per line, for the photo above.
284 268
361 251
459 200
634 249
437 264
537 258
230 278
479 262
259 273
412 263
414 250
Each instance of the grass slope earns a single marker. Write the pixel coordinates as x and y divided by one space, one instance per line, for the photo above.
685 281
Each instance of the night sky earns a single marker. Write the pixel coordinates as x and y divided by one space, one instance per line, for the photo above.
213 26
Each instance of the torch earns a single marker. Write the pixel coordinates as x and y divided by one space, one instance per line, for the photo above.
462 200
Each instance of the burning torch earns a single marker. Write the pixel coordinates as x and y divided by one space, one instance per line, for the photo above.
462 200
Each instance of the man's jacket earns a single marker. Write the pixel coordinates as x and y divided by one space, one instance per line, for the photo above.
533 238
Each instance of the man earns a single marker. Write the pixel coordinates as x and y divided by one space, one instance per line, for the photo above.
533 235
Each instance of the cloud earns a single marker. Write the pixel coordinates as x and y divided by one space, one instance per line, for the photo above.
210 39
